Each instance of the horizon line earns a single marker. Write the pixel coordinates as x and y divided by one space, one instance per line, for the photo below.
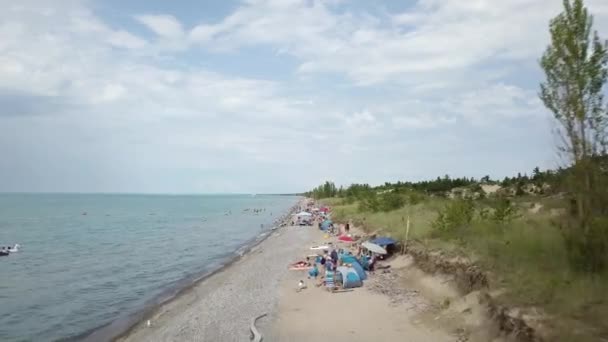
148 193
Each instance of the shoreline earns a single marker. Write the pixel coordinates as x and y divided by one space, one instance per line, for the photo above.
402 302
164 315
121 327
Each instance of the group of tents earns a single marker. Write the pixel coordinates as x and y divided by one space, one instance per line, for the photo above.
306 218
354 274
353 269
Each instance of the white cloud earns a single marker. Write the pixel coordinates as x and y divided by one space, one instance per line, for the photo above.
361 119
125 40
110 93
367 87
496 101
165 26
433 37
419 121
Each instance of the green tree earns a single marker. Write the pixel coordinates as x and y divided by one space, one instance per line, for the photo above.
456 215
576 69
391 201
504 211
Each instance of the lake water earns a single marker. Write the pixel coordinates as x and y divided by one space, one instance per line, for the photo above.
87 260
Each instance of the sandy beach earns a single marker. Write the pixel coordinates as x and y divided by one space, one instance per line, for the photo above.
221 307
315 314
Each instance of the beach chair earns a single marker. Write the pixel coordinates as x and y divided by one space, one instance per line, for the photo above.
330 281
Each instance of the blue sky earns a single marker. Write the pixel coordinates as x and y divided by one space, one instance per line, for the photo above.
270 95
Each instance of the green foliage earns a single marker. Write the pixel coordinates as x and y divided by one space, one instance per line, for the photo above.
477 189
484 213
576 69
326 190
370 203
455 216
414 198
438 186
388 201
587 251
391 201
358 192
504 211
528 254
519 189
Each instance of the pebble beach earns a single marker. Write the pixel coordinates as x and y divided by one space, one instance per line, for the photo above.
221 307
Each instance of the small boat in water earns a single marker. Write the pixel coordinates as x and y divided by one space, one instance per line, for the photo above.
4 252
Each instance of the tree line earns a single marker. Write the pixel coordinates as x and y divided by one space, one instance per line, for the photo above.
439 186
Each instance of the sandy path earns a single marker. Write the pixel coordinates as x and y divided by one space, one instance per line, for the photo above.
360 315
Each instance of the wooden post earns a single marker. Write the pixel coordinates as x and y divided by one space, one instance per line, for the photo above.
407 232
403 242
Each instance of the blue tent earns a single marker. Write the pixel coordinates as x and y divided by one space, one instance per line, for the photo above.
383 241
364 261
359 269
348 259
350 278
325 224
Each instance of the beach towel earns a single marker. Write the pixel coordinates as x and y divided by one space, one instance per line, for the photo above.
299 268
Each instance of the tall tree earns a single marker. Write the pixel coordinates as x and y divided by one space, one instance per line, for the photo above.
575 65
576 69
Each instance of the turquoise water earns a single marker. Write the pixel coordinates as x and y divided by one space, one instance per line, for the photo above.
87 260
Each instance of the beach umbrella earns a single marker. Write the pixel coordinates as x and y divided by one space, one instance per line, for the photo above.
372 247
383 241
303 213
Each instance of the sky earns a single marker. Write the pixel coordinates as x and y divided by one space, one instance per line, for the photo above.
267 96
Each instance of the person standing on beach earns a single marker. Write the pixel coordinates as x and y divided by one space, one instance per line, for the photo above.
334 256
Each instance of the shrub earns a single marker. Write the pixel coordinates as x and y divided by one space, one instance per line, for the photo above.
587 251
504 211
391 201
454 216
369 203
484 213
415 198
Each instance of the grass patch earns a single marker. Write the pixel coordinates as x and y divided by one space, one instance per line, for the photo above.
332 202
525 256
